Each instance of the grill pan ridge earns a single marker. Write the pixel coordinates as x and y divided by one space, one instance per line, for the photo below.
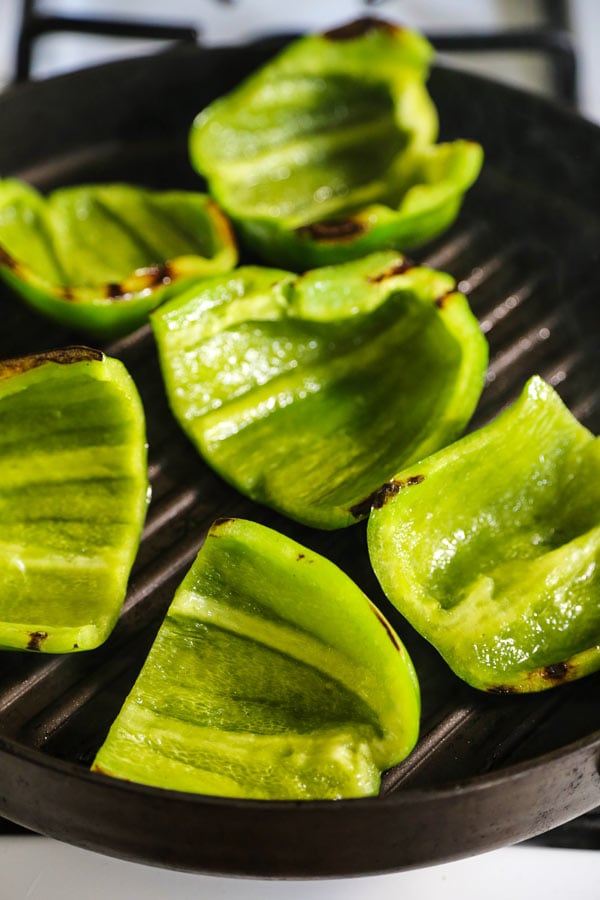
488 770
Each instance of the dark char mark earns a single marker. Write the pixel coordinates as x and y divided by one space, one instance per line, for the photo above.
63 356
333 230
360 27
218 523
36 639
7 260
141 280
400 267
380 497
556 671
440 302
388 630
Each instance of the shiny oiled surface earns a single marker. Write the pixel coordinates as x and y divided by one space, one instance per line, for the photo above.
488 770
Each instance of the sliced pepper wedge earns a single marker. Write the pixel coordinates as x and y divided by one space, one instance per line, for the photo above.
100 257
327 152
73 497
306 392
491 547
272 677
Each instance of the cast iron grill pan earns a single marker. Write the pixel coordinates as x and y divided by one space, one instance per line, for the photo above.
488 770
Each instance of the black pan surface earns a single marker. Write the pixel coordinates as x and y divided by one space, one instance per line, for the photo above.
488 770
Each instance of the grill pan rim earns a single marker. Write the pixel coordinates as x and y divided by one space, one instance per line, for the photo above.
257 827
512 772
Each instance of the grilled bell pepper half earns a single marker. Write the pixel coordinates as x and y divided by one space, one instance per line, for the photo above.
307 392
271 677
328 152
491 547
99 257
73 497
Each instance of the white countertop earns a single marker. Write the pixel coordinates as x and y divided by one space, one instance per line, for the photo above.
34 868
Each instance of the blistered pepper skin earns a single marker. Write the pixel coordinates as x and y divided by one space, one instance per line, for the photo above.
306 392
99 258
328 152
491 548
271 677
73 497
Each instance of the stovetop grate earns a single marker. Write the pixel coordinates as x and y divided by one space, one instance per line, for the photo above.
551 39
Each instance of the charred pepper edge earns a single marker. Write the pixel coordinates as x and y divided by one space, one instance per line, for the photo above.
142 280
379 497
401 267
8 261
360 27
63 356
548 676
215 529
147 278
36 639
334 231
556 671
444 299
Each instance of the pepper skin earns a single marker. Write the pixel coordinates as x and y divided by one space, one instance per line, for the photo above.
271 677
328 152
307 392
99 257
493 553
73 497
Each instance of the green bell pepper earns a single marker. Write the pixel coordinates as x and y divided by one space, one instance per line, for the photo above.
491 547
271 677
100 257
327 153
73 497
306 392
